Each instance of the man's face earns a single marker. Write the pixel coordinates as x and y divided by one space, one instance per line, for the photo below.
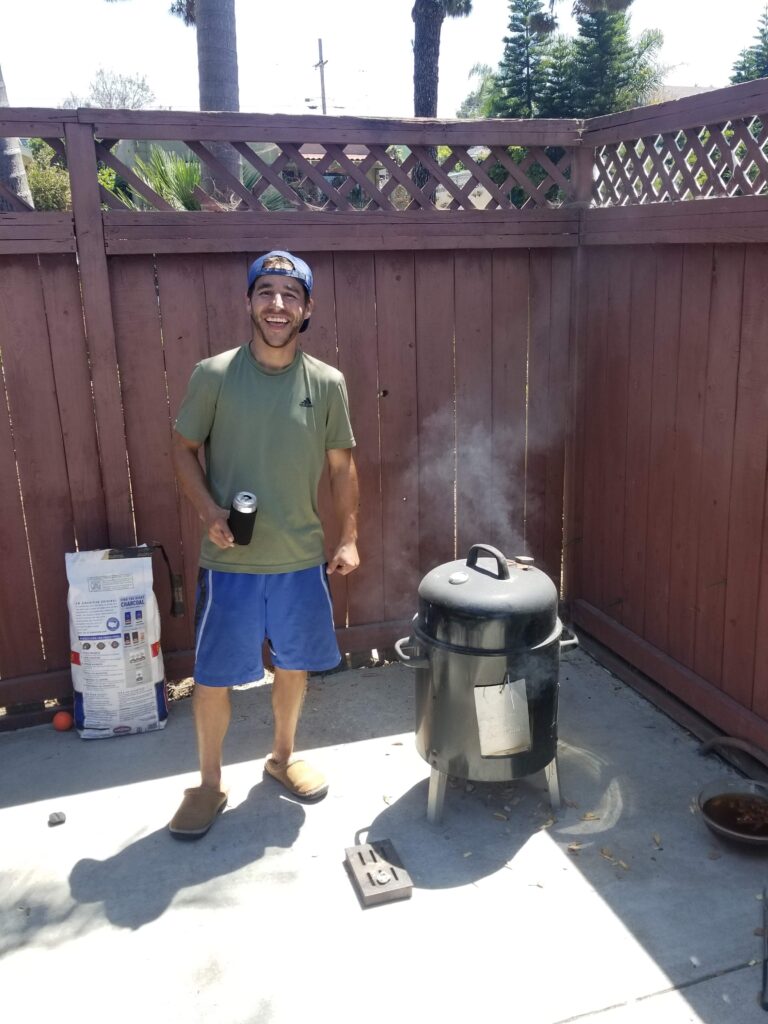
278 308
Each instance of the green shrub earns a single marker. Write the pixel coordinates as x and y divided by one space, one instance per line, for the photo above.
48 181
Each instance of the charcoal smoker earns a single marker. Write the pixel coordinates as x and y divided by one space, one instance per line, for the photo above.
485 645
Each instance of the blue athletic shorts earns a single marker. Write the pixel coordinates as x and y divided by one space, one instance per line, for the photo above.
236 611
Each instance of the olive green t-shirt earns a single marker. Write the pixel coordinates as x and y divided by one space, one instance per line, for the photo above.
267 433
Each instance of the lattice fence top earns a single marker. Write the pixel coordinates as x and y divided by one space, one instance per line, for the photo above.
331 177
706 146
710 161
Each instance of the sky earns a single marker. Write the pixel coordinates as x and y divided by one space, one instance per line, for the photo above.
51 48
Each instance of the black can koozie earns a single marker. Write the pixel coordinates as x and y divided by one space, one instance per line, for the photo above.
242 516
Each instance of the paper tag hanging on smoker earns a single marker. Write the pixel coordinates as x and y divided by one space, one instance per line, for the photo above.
503 721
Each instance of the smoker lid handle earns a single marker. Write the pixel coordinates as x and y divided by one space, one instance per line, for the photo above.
494 553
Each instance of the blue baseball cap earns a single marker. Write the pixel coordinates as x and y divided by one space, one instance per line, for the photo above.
300 271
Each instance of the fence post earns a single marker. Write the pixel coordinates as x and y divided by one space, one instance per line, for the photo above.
100 332
582 172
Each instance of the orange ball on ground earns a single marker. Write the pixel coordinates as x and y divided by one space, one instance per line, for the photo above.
62 721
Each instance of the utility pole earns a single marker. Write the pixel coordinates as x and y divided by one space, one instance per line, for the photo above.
321 65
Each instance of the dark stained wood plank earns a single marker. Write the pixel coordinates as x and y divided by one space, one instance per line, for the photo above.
181 291
476 521
53 226
26 246
559 412
366 238
226 284
734 219
39 448
509 380
436 416
69 355
615 446
575 443
340 231
595 426
760 687
549 221
35 122
747 495
147 417
175 124
321 341
662 446
714 106
690 457
356 325
21 651
395 312
641 311
719 421
97 310
538 439
35 686
730 716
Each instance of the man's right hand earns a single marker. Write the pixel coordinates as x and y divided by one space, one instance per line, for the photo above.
219 532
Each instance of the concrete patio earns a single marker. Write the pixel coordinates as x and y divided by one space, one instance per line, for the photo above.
622 908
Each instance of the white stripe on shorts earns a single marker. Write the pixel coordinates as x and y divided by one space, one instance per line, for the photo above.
205 613
326 588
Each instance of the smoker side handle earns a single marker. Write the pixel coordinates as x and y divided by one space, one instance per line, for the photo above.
571 641
406 659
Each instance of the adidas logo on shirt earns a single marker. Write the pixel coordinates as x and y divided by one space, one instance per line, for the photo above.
307 403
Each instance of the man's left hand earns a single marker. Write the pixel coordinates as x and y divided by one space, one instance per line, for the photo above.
345 559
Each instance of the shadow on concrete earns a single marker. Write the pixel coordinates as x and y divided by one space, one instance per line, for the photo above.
139 883
483 827
344 707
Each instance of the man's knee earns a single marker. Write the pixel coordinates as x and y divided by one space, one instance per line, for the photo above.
210 696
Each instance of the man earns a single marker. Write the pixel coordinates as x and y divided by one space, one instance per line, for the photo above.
269 416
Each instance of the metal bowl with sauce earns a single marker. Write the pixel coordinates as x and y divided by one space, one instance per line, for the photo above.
736 809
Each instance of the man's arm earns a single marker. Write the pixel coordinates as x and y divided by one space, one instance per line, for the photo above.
346 495
192 481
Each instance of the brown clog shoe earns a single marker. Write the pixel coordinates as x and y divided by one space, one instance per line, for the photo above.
299 778
197 812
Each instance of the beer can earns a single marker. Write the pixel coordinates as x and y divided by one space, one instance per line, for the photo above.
242 516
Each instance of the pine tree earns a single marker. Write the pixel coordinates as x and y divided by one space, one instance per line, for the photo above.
612 72
599 72
520 78
557 95
753 62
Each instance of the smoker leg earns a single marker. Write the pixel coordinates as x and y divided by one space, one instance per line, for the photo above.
553 784
436 796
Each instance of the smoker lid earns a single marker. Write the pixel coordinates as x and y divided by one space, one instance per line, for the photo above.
461 601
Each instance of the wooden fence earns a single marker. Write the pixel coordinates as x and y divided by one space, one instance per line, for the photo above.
461 291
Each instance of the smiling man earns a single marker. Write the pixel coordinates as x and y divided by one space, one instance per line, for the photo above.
269 417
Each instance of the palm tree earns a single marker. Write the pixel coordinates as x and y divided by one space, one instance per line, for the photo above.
214 22
428 17
12 173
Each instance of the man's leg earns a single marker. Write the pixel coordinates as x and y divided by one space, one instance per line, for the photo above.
288 691
296 775
202 803
212 712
